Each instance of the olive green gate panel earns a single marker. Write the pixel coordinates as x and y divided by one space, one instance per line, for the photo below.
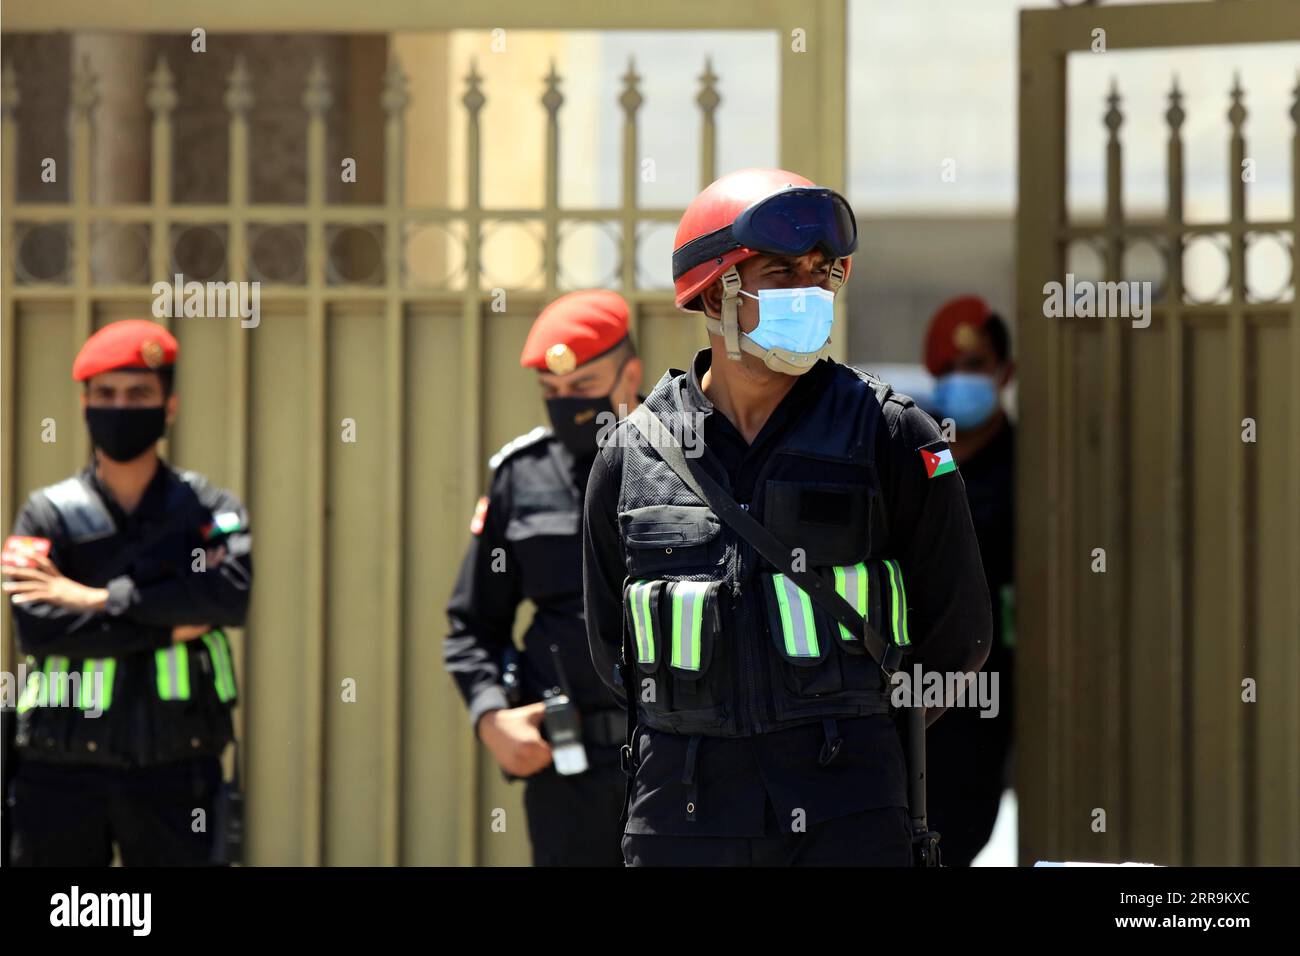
1158 540
357 418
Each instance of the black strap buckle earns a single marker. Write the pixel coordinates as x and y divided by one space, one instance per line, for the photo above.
893 659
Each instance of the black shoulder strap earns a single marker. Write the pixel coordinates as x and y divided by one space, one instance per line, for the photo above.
86 518
888 656
80 509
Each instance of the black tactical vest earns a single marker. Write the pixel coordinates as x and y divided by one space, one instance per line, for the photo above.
718 642
139 709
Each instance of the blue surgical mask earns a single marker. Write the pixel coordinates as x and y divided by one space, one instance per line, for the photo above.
796 320
968 398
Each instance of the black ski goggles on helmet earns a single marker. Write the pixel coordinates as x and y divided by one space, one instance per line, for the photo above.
788 223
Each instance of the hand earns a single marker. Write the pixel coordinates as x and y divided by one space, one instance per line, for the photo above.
515 740
42 581
188 632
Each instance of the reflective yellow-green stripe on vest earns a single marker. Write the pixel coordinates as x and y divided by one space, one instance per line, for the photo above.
898 602
34 691
172 665
638 596
852 584
798 627
688 598
223 670
104 669
56 681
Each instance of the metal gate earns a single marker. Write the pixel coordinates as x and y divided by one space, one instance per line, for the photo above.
357 544
1135 681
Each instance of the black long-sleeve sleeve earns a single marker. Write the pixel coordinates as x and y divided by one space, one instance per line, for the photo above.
603 569
217 595
933 539
482 611
43 629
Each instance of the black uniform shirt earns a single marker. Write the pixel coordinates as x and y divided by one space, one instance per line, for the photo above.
991 489
527 547
930 533
152 594
146 561
990 479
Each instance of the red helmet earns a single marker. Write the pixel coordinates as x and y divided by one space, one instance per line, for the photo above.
717 207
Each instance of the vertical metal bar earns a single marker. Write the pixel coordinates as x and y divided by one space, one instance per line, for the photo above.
84 98
552 99
812 42
1238 554
316 100
471 334
631 101
1177 818
395 100
708 99
1290 835
238 101
9 100
162 100
1066 558
1114 444
1039 471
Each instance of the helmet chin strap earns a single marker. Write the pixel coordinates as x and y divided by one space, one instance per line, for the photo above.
730 325
837 275
779 360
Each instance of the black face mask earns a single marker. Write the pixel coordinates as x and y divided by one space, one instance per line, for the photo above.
578 422
124 434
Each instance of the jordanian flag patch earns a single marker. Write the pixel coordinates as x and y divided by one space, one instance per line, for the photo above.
938 460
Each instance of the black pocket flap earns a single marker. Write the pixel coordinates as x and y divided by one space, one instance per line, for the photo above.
690 616
641 601
799 629
664 526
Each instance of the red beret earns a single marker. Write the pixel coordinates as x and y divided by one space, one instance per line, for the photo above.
574 329
952 330
131 343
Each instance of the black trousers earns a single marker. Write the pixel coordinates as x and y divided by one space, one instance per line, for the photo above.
574 820
880 837
967 769
68 815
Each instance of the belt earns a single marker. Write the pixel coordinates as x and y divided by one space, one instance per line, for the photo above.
604 728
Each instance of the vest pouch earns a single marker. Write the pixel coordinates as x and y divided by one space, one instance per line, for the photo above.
91 737
822 673
214 671
802 637
875 589
188 718
677 540
43 717
217 663
641 605
674 627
